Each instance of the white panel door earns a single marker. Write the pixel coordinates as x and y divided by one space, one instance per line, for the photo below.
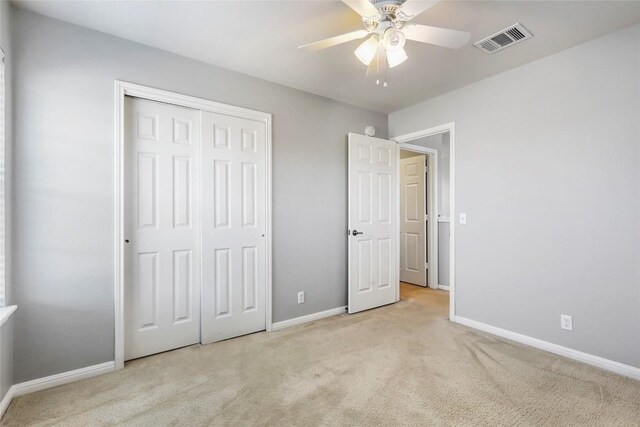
162 255
413 227
234 207
372 220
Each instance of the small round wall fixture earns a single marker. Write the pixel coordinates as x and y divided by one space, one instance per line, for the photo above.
370 131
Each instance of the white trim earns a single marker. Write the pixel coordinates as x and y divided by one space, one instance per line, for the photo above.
6 400
119 225
589 359
123 89
5 180
444 288
62 378
451 128
269 223
424 133
308 318
6 312
54 381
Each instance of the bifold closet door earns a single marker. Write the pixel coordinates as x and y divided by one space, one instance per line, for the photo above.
233 165
162 253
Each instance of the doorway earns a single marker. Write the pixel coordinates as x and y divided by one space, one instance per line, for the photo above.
418 238
193 244
373 212
437 144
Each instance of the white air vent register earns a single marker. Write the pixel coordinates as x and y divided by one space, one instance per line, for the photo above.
503 39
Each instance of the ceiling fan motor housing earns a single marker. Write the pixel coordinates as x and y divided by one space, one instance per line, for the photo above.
387 8
387 13
384 3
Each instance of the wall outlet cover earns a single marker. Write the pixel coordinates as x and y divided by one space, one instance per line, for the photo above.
566 322
300 297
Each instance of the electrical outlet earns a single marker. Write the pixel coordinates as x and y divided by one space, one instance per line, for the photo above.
300 297
566 322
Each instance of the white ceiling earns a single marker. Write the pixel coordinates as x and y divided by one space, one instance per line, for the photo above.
259 38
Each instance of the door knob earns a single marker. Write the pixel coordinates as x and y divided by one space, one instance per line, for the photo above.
356 232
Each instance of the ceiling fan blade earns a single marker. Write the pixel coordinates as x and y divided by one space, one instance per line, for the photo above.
412 8
333 41
453 39
362 7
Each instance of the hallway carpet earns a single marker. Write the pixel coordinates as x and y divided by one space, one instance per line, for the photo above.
403 364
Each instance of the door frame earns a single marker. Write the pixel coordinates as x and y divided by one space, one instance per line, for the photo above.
431 243
406 139
123 89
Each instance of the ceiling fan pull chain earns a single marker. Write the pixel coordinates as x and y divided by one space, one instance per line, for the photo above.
386 67
378 66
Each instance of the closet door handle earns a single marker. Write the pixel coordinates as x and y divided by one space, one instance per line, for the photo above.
356 232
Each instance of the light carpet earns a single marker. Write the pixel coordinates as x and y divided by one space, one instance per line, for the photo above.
403 364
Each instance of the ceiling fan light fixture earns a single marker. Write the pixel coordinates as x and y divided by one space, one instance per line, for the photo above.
367 50
394 40
395 58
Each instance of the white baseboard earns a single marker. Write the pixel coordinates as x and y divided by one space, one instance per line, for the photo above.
63 378
589 359
308 318
443 287
54 381
6 400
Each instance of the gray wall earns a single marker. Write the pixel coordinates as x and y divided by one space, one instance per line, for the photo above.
6 331
548 171
63 207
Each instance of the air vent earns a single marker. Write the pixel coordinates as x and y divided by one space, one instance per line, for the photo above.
503 39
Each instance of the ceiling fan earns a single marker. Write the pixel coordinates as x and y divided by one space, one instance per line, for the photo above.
386 24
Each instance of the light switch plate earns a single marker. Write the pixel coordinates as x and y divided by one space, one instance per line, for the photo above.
463 218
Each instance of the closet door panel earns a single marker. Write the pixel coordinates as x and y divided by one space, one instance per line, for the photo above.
162 257
234 190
